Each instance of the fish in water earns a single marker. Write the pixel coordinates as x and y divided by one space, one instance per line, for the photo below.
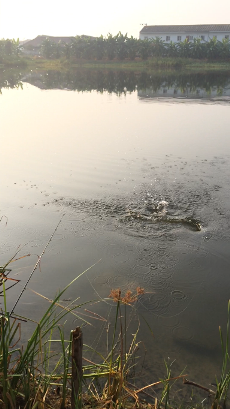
162 217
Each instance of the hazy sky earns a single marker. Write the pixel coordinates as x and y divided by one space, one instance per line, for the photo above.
28 18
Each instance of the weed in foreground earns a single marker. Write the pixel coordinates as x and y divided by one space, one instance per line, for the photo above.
28 374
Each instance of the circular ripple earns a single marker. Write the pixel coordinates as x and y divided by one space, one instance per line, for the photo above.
182 333
178 295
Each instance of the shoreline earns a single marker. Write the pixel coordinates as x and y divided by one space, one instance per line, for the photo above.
152 65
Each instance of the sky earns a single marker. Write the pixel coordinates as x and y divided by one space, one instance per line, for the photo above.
25 19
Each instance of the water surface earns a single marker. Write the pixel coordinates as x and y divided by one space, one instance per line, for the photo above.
95 151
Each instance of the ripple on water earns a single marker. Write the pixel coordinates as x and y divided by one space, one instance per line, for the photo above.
178 295
182 333
165 257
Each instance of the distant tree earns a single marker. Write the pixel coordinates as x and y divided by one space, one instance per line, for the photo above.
99 48
184 48
171 49
197 48
212 48
121 45
157 47
132 47
224 48
48 48
67 50
110 46
144 49
8 47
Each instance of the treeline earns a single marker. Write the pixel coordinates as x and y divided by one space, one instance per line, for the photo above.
121 47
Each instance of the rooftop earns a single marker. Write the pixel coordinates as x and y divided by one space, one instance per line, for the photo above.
186 28
36 42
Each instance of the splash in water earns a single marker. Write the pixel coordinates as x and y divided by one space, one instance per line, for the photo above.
162 207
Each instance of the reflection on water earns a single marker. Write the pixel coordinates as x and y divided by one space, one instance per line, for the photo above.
100 158
10 79
190 92
154 85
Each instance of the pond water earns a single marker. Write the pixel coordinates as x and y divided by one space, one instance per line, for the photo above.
125 157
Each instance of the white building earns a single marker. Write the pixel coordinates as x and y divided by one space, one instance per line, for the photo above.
180 33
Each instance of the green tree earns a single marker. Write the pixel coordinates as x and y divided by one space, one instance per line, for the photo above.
8 47
99 48
110 46
184 48
158 47
121 45
144 49
197 48
171 49
212 48
48 48
224 48
67 50
132 47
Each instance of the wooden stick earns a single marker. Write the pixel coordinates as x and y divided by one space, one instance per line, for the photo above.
77 346
159 382
187 382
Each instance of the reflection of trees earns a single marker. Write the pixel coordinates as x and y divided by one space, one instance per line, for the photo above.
10 79
118 82
121 82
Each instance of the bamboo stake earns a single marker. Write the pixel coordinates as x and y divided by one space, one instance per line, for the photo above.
77 346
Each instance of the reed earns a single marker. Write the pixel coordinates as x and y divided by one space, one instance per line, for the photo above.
28 374
222 385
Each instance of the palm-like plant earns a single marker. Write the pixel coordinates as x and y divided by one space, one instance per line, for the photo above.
110 46
171 49
144 49
224 47
197 48
184 48
99 48
132 47
212 48
158 48
121 45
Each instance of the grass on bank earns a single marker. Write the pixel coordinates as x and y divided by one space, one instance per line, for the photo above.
29 375
152 64
38 375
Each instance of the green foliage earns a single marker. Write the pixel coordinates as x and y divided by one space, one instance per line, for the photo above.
121 46
50 49
24 371
222 385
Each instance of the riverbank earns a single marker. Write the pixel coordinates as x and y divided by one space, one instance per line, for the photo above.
150 65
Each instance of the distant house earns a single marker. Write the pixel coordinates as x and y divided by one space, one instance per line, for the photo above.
37 42
180 33
33 47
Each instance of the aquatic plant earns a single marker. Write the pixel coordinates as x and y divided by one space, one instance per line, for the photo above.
222 385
